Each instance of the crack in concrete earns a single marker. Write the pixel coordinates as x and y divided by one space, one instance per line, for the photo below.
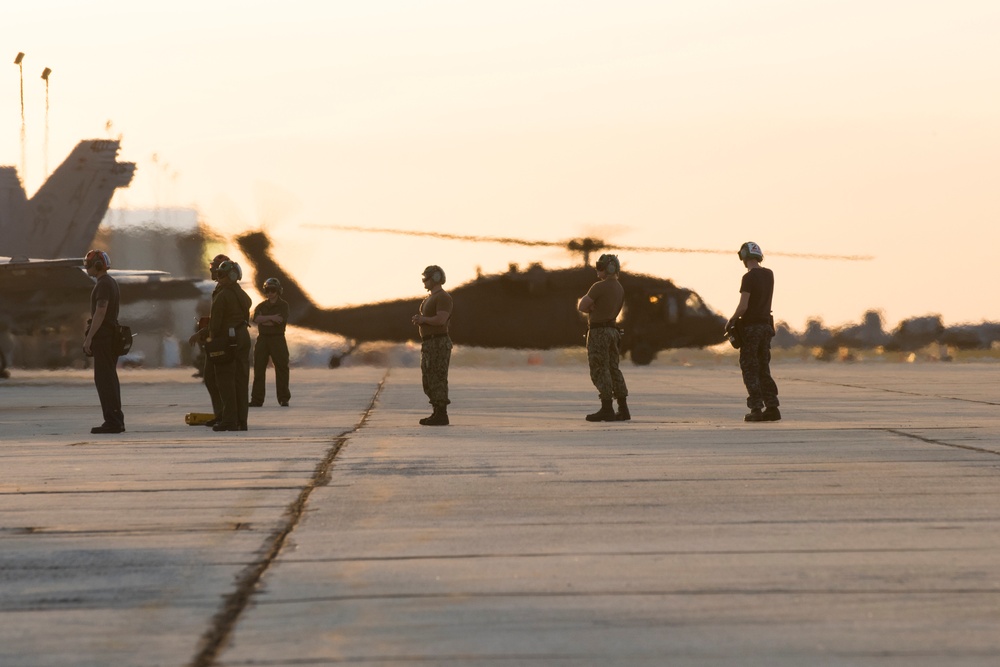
932 441
223 623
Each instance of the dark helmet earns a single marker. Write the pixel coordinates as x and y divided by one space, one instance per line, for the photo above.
609 264
272 285
214 266
231 269
97 258
751 249
435 274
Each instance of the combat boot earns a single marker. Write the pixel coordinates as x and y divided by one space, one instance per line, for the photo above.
771 414
438 418
605 414
755 415
623 414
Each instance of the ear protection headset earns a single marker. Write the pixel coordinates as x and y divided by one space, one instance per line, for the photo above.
435 274
97 258
609 264
751 249
214 266
230 269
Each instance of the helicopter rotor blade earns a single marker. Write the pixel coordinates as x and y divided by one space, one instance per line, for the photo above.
709 251
441 235
578 245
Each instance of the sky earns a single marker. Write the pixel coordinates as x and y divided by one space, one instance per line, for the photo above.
848 127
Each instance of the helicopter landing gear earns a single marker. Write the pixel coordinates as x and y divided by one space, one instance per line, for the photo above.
336 357
642 354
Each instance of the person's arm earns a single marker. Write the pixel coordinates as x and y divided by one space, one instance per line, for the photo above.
95 323
440 318
740 309
586 304
217 324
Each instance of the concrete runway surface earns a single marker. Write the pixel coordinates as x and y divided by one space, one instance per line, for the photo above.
863 529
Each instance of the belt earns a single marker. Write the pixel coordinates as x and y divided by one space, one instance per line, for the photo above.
432 336
603 325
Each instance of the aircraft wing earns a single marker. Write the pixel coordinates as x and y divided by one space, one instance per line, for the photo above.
31 275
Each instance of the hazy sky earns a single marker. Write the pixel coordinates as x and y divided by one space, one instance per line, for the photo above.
849 127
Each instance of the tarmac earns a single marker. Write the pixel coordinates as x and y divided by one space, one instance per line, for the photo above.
862 529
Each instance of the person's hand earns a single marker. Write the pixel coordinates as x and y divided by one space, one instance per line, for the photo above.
415 319
86 348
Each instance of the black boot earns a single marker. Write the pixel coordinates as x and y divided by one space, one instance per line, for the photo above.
771 414
623 414
755 415
438 418
605 414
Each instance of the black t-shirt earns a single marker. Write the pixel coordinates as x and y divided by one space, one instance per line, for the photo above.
759 283
106 289
265 307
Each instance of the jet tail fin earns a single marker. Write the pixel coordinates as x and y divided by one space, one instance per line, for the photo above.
257 248
13 204
62 218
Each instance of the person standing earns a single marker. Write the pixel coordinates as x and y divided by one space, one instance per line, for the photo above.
753 316
200 337
100 341
270 316
229 321
602 304
435 348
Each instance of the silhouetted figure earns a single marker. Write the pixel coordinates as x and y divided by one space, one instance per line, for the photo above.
100 341
753 316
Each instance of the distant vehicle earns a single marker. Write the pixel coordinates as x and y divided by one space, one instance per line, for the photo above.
61 219
657 314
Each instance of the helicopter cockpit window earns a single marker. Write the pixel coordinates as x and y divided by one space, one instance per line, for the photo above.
695 304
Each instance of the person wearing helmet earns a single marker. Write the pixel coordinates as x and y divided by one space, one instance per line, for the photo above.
229 321
602 304
753 319
199 338
99 341
270 316
435 349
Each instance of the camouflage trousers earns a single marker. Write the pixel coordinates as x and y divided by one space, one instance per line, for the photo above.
603 355
435 357
755 362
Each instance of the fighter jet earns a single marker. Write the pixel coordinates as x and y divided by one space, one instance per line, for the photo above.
43 287
61 219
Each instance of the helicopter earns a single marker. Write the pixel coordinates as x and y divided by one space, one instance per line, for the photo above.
656 315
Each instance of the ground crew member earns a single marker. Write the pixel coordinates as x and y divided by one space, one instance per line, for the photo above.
602 303
229 321
100 341
435 350
753 317
270 316
199 337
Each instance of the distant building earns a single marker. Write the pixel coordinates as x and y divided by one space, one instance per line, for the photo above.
165 239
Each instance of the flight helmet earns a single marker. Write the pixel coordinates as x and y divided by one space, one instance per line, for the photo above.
231 269
272 285
97 258
609 264
751 250
435 274
214 266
